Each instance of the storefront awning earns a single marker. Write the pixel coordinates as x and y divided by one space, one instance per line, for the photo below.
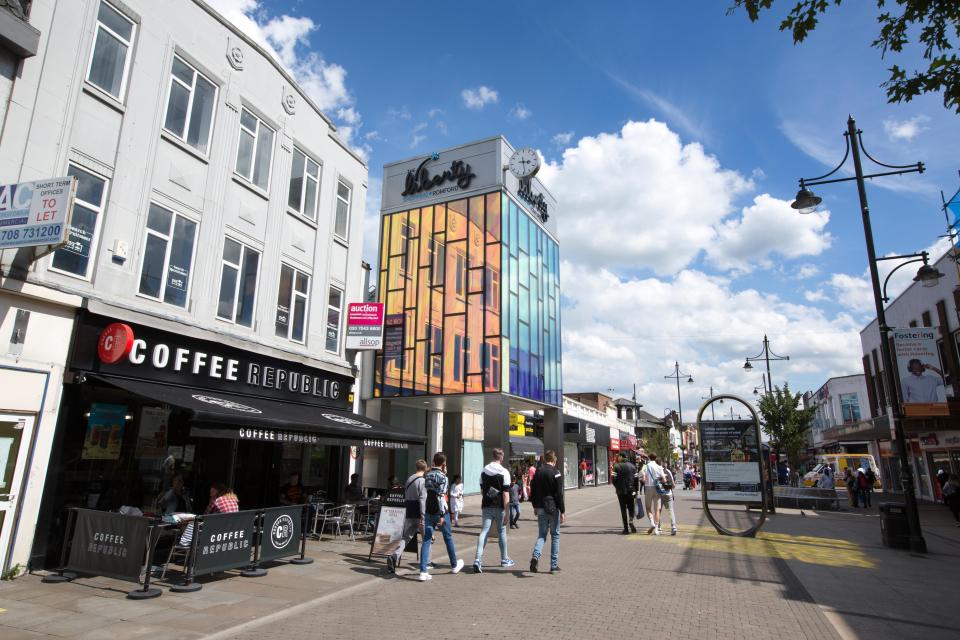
224 415
523 446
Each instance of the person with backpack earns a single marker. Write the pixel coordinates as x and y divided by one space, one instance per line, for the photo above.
415 504
665 489
624 479
652 476
546 496
495 492
437 516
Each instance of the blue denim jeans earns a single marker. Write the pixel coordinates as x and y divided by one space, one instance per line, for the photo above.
430 524
491 515
551 523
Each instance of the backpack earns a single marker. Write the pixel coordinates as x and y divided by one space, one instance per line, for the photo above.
665 484
491 493
433 497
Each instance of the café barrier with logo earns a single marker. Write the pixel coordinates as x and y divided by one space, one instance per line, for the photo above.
282 532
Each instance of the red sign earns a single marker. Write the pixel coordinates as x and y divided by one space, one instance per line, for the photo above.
115 343
614 441
365 325
631 443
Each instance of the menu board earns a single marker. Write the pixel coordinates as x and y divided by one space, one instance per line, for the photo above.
731 460
389 531
104 437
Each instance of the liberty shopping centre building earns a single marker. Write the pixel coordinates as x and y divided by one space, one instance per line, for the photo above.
468 269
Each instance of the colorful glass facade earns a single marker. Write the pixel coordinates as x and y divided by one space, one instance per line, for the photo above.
476 283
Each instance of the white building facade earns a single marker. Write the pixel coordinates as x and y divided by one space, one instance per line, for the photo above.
216 208
840 405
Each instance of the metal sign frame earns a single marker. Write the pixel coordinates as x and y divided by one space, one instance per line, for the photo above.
752 531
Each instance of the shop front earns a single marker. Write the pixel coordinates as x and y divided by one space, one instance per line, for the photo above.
941 452
142 406
602 463
583 438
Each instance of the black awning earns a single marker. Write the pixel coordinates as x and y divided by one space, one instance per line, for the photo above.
523 446
227 415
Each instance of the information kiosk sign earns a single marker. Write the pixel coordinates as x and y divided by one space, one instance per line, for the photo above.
732 464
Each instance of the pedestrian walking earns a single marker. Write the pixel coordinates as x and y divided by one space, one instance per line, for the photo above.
456 499
865 480
624 479
652 475
850 482
495 492
546 496
514 503
951 496
826 479
415 504
665 489
437 516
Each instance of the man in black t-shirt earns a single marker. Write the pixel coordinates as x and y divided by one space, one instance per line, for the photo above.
546 496
495 491
624 481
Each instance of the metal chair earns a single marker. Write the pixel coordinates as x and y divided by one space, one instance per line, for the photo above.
180 548
339 517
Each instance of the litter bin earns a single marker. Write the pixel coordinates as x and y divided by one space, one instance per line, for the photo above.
893 525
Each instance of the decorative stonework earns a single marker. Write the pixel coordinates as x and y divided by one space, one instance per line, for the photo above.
235 56
289 101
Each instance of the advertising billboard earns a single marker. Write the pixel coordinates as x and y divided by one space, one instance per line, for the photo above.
923 389
731 461
365 325
36 214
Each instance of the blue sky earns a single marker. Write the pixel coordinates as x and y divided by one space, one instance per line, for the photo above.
674 137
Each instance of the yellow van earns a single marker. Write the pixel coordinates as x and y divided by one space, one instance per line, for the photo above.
840 462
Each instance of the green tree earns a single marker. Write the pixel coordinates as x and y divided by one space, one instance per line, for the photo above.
786 424
932 22
658 442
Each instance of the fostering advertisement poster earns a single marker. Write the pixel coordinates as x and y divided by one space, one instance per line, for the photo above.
105 428
922 386
731 461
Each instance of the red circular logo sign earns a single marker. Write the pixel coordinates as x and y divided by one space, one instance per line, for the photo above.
115 343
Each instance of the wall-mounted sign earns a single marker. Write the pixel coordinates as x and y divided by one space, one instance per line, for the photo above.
922 386
365 325
177 359
36 213
517 423
419 180
537 201
393 337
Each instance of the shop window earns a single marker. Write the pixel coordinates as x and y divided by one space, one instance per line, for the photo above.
76 255
190 106
238 283
292 299
110 58
342 218
304 185
255 150
167 256
334 309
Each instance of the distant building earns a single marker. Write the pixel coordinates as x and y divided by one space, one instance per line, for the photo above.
841 410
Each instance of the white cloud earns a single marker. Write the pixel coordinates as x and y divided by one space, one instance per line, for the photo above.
640 198
768 227
415 142
433 113
520 112
905 129
625 331
807 271
562 139
372 136
420 126
479 98
349 115
399 114
815 296
667 109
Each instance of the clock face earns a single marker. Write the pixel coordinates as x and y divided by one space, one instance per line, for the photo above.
524 163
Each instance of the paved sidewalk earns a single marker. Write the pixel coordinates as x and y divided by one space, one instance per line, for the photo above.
809 575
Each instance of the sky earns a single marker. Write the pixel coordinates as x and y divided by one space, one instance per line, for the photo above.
673 136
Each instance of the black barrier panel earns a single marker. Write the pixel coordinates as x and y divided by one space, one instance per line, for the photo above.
282 529
225 542
108 544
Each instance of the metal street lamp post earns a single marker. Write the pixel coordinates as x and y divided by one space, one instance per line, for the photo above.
676 375
713 415
766 355
806 202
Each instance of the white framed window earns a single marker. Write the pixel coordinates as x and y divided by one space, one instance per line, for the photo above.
255 150
342 219
191 104
334 311
293 297
77 256
238 283
167 256
110 57
304 185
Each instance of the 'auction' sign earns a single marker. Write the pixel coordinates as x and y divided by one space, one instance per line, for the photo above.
35 213
365 325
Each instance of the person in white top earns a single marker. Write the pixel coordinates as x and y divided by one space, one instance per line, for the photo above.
652 472
666 500
456 499
826 480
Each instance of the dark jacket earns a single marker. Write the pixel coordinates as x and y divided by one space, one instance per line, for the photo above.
624 478
547 482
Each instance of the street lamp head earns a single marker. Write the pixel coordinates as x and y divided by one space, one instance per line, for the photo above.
928 276
747 366
690 379
806 201
755 392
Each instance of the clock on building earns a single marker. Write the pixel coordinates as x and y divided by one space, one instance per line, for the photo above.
524 163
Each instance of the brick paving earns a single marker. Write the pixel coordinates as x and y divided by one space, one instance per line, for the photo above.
809 575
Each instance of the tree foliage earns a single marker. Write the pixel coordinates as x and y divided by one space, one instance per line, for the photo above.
658 442
786 424
934 23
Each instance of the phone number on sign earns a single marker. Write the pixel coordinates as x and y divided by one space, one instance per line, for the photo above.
31 233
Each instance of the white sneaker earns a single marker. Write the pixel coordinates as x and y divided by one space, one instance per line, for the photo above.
458 566
656 531
424 576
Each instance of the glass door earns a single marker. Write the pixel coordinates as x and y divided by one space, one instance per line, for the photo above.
13 428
